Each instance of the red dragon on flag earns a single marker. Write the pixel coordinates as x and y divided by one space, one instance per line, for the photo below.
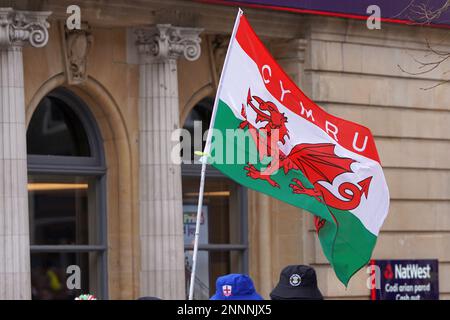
318 161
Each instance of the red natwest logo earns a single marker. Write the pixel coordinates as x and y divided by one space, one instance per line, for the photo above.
388 274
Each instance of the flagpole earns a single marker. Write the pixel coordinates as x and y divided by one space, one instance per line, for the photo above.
203 160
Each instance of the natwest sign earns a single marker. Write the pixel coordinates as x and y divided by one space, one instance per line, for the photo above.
405 280
413 271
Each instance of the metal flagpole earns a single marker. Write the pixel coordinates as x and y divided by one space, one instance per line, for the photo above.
203 160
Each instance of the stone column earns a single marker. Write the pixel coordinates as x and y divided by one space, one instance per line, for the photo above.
261 241
17 28
161 220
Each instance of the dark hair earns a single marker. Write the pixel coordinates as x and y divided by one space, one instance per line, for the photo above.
149 298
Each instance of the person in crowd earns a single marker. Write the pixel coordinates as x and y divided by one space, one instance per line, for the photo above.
235 287
148 298
297 282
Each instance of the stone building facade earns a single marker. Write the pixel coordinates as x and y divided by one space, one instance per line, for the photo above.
139 70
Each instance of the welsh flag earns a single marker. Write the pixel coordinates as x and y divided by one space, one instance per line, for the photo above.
270 137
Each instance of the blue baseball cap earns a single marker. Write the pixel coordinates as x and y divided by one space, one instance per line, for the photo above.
235 287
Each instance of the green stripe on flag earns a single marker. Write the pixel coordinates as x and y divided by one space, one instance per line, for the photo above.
352 247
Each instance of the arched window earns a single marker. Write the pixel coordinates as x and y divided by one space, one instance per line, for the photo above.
66 192
223 246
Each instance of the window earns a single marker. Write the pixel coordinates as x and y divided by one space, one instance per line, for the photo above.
66 196
223 245
57 124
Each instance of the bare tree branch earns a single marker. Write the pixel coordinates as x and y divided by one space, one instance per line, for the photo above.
427 15
424 15
404 9
436 85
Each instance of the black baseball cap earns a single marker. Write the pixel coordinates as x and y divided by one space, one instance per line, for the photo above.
297 282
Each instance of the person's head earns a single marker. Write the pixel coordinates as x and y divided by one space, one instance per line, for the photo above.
235 287
297 282
148 298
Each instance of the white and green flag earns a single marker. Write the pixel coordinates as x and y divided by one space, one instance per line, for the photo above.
296 152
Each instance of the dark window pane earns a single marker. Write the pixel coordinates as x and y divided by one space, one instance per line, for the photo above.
49 275
62 210
221 223
56 130
221 209
200 114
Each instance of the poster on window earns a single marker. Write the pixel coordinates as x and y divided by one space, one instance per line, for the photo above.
202 274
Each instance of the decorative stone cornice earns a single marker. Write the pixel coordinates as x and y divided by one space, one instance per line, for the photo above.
19 27
165 41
